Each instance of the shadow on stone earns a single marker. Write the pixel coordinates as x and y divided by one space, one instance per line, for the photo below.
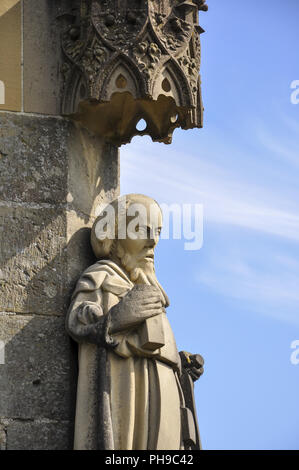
38 379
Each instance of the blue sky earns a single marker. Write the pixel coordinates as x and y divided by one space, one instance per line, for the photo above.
236 301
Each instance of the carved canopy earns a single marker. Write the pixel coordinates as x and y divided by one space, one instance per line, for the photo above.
127 60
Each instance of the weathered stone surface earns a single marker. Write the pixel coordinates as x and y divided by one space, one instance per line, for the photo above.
39 435
78 249
29 28
126 61
2 437
41 57
33 260
38 377
50 160
42 258
33 163
53 175
10 54
93 171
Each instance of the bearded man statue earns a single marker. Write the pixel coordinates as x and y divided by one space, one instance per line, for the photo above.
132 391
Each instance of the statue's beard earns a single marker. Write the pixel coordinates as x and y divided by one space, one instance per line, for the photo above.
141 271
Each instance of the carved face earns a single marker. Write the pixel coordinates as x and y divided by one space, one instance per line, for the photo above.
144 224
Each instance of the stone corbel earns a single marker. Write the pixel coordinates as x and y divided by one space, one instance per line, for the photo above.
126 61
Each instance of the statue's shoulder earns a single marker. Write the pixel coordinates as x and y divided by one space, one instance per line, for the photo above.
100 274
103 266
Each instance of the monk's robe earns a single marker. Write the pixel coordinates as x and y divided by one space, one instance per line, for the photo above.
128 397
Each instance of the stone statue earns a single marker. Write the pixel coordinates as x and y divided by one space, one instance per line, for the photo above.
135 391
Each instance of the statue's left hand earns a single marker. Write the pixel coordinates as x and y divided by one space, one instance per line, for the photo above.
86 323
89 313
193 364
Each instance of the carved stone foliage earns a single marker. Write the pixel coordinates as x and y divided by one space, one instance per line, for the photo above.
147 55
127 60
119 22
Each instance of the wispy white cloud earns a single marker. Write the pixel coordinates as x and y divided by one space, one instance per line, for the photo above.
227 199
263 201
284 150
292 124
272 291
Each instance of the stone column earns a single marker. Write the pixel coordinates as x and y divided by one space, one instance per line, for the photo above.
53 175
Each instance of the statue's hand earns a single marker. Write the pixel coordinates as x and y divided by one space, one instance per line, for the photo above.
86 323
89 313
193 364
140 303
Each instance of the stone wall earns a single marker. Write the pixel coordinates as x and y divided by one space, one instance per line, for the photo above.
53 175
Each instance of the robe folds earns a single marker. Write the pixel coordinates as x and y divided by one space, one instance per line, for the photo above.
128 398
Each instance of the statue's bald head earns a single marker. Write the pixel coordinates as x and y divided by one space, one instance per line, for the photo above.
126 232
129 217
